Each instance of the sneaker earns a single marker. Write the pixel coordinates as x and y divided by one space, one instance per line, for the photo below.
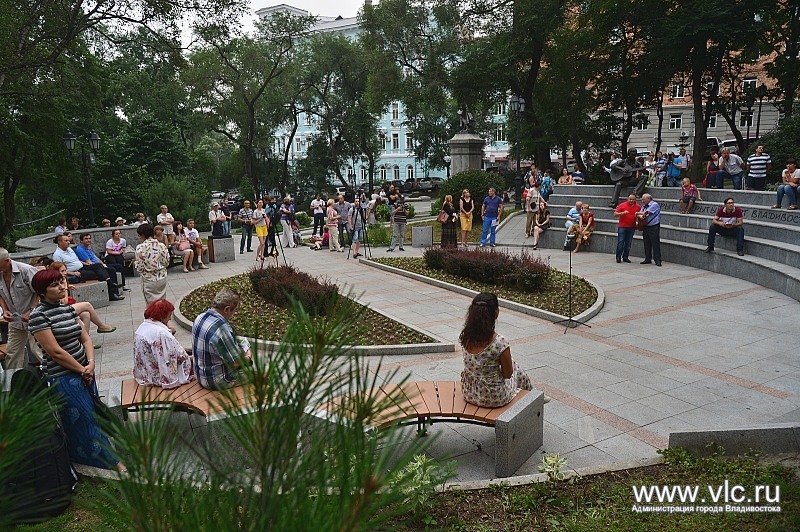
792 207
740 253
357 255
402 249
776 206
494 246
709 249
202 266
389 250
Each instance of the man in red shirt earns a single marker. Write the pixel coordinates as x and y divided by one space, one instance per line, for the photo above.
729 221
626 212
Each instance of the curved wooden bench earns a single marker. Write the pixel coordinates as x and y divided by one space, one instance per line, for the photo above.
519 425
191 398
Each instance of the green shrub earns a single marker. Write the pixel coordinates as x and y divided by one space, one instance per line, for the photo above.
411 211
382 212
378 235
780 144
303 219
522 272
185 197
436 206
279 285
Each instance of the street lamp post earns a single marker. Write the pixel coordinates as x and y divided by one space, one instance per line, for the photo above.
749 101
86 160
447 160
517 104
762 92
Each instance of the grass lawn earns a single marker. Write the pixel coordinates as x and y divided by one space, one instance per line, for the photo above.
598 502
258 319
555 298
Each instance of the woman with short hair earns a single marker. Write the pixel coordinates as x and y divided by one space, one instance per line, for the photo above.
69 355
152 259
158 357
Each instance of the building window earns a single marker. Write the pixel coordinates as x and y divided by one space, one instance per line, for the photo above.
382 140
677 90
500 133
396 172
298 145
395 141
362 174
383 173
749 85
309 120
500 109
746 119
675 121
409 142
712 123
395 111
710 89
643 123
409 172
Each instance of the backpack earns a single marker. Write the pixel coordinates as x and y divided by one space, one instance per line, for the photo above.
43 489
546 187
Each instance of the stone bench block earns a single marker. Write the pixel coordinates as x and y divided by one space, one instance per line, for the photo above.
519 432
95 292
221 249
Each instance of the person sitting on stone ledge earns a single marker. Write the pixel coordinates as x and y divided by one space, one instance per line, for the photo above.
728 221
689 195
790 180
87 269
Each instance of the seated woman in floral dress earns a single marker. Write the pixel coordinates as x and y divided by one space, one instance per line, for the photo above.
584 228
158 358
490 378
182 247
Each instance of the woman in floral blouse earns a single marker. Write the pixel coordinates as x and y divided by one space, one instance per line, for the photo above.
158 358
152 259
490 378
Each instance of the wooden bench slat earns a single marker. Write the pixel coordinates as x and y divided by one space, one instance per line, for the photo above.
446 391
494 413
430 395
129 393
461 406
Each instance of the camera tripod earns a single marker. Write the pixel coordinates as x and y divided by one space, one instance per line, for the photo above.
570 322
366 247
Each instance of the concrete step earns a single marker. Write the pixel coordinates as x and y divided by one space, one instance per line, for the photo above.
762 271
780 252
710 195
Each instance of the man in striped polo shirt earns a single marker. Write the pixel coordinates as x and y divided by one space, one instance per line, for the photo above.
758 164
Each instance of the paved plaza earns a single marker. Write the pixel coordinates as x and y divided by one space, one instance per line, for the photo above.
674 348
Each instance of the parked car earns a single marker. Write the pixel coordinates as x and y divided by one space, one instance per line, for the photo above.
410 185
426 184
437 182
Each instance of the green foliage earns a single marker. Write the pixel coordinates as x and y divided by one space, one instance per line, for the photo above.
303 218
436 206
522 271
412 212
781 145
269 468
185 197
284 285
416 480
477 182
378 235
552 463
382 212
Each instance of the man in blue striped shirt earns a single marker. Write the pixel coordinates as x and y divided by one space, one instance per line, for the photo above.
758 164
218 355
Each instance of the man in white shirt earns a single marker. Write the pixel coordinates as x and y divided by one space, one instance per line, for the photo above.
319 206
17 299
194 237
217 219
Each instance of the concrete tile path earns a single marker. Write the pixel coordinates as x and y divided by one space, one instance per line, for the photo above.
674 348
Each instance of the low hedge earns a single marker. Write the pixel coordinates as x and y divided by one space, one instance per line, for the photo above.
277 285
522 271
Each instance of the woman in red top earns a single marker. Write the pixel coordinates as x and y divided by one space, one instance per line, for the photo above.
583 229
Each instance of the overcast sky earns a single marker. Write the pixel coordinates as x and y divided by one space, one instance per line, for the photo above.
332 8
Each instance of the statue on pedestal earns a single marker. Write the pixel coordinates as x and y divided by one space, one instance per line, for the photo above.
627 173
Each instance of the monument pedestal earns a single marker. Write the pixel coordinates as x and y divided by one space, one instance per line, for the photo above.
466 152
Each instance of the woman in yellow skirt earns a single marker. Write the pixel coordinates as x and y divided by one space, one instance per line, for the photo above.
466 208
